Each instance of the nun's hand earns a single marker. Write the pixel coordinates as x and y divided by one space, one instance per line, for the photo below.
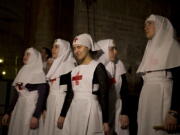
60 122
34 123
106 128
5 120
124 121
170 122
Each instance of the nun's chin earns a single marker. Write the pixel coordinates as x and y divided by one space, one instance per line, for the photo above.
54 57
149 36
112 59
25 62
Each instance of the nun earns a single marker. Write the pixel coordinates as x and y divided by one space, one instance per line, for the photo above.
29 98
62 64
86 102
160 70
119 100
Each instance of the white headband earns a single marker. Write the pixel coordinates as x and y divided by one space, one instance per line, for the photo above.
84 40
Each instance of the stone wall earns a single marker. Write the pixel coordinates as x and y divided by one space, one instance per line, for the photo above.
122 20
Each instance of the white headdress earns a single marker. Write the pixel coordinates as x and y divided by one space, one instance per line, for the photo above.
162 51
64 55
111 67
104 45
85 40
32 72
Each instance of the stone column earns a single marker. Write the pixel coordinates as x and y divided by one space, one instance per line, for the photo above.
47 20
40 22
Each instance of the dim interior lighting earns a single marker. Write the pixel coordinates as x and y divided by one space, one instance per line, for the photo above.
3 72
1 60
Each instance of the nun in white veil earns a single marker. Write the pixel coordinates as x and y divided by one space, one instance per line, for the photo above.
115 69
28 103
160 63
62 64
85 109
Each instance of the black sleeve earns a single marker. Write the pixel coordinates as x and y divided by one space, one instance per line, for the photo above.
175 99
124 94
66 80
101 77
12 102
46 96
43 90
32 87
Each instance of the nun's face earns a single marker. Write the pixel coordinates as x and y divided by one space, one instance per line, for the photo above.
112 54
149 29
80 52
26 57
55 51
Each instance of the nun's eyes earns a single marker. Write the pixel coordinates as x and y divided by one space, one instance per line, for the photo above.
27 54
77 47
148 23
112 48
56 46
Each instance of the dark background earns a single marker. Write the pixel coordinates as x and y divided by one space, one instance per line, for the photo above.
25 23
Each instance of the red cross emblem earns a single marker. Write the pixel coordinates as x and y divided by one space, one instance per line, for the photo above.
19 85
52 80
75 39
77 78
112 80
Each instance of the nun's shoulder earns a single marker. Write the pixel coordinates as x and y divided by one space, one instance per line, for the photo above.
39 74
69 63
100 66
120 63
68 66
120 66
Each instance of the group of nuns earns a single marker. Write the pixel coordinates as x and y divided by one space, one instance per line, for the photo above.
75 96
